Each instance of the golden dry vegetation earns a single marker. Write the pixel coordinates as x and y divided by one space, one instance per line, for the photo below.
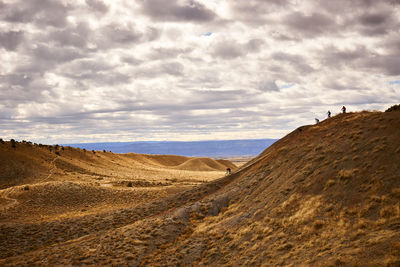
324 195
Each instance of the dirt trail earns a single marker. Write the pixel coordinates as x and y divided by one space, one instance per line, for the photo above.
5 195
51 172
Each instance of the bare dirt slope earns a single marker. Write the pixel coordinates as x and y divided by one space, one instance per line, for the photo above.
325 195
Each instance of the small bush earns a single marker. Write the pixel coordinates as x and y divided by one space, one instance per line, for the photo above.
329 184
393 108
388 212
58 153
130 184
94 152
26 188
104 151
345 175
318 224
13 143
2 141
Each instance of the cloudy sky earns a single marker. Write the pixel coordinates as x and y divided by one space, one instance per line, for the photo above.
130 70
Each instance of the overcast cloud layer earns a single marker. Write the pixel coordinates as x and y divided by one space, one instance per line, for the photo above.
90 70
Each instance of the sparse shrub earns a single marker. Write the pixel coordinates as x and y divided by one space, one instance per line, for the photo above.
13 143
26 187
62 148
2 141
130 184
104 151
393 108
56 147
392 262
318 224
396 192
387 212
346 175
58 153
94 152
329 183
84 150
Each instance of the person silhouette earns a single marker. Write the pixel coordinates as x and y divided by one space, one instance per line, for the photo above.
329 113
344 109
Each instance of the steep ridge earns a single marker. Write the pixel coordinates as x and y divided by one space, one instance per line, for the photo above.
324 195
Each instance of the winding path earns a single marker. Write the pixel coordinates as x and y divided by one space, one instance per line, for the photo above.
51 170
5 193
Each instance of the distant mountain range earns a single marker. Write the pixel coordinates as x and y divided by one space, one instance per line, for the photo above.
213 149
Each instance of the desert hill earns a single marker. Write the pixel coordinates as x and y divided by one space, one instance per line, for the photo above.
52 182
324 195
28 163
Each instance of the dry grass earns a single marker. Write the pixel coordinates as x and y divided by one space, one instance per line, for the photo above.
307 200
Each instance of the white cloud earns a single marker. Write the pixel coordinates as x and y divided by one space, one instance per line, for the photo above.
94 70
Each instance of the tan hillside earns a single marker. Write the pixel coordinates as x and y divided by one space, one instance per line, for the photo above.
324 195
28 163
45 183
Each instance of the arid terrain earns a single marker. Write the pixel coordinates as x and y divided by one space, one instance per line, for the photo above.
324 195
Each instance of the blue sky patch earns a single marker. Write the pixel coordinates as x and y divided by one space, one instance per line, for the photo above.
207 34
288 85
394 82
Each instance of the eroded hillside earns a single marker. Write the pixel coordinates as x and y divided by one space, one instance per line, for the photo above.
324 195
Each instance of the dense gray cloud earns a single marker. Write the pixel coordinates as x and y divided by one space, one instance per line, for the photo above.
76 35
11 40
269 86
97 5
297 61
310 25
231 49
40 12
102 70
173 10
